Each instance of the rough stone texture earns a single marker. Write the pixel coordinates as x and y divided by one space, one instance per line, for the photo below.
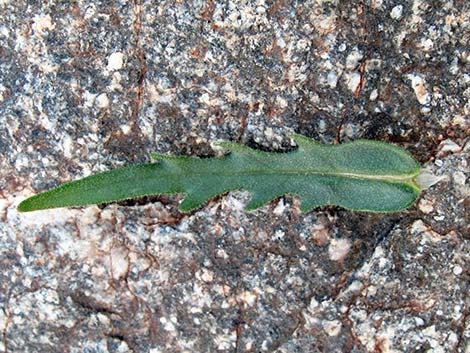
86 86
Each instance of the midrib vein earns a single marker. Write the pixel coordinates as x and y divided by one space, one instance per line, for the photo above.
306 172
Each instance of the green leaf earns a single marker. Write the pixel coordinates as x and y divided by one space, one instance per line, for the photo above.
362 175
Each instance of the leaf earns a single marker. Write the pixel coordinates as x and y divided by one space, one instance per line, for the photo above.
362 175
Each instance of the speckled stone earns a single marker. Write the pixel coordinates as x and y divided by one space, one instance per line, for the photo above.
87 86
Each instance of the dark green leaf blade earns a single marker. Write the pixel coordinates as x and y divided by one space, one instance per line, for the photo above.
361 175
119 184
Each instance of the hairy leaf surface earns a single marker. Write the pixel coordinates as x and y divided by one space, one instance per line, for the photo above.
362 175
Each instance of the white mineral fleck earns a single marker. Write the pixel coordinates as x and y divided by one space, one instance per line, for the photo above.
207 275
339 249
459 178
226 342
418 226
21 161
383 262
353 59
41 24
88 99
67 145
353 80
247 297
48 67
119 262
281 102
116 83
102 101
90 11
221 253
279 234
279 209
426 44
269 133
457 270
205 98
396 12
2 90
89 216
123 348
125 128
377 4
419 87
265 345
374 94
115 61
332 79
332 328
355 286
324 23
3 207
426 206
167 324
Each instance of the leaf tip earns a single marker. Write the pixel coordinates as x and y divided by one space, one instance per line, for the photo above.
30 204
23 206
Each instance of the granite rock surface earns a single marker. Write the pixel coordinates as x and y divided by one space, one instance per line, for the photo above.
87 86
